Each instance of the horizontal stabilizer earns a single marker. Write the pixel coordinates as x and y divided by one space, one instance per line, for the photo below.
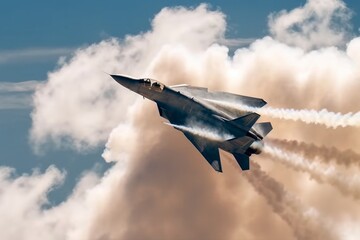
238 145
242 160
263 128
246 122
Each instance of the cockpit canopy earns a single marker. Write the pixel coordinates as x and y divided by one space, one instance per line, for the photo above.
153 84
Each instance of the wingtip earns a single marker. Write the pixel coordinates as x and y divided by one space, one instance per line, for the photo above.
217 166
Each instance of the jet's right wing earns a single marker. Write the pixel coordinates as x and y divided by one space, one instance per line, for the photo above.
209 151
204 146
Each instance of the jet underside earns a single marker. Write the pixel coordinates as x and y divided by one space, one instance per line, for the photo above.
194 111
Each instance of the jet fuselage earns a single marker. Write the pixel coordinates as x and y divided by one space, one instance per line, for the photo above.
184 109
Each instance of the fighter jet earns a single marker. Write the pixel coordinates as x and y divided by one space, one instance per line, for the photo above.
208 124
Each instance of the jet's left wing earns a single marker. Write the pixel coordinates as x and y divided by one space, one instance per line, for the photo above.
201 92
208 150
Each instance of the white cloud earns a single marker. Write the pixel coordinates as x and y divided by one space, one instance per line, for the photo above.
16 101
319 23
84 103
22 200
17 95
27 214
26 86
236 42
353 50
31 54
120 143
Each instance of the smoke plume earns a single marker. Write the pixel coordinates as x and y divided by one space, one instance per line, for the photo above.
211 134
303 221
323 153
323 117
347 185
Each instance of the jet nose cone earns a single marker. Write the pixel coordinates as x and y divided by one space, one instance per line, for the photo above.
127 82
121 79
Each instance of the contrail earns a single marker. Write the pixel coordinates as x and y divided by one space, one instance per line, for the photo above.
323 117
348 185
324 154
210 134
304 222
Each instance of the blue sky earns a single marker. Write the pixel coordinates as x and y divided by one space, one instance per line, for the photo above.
36 35
69 25
48 25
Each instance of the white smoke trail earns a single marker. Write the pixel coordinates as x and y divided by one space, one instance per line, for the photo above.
346 185
323 117
208 133
324 154
305 222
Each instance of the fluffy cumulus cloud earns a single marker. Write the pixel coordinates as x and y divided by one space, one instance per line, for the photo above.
318 23
160 187
22 200
80 88
27 214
